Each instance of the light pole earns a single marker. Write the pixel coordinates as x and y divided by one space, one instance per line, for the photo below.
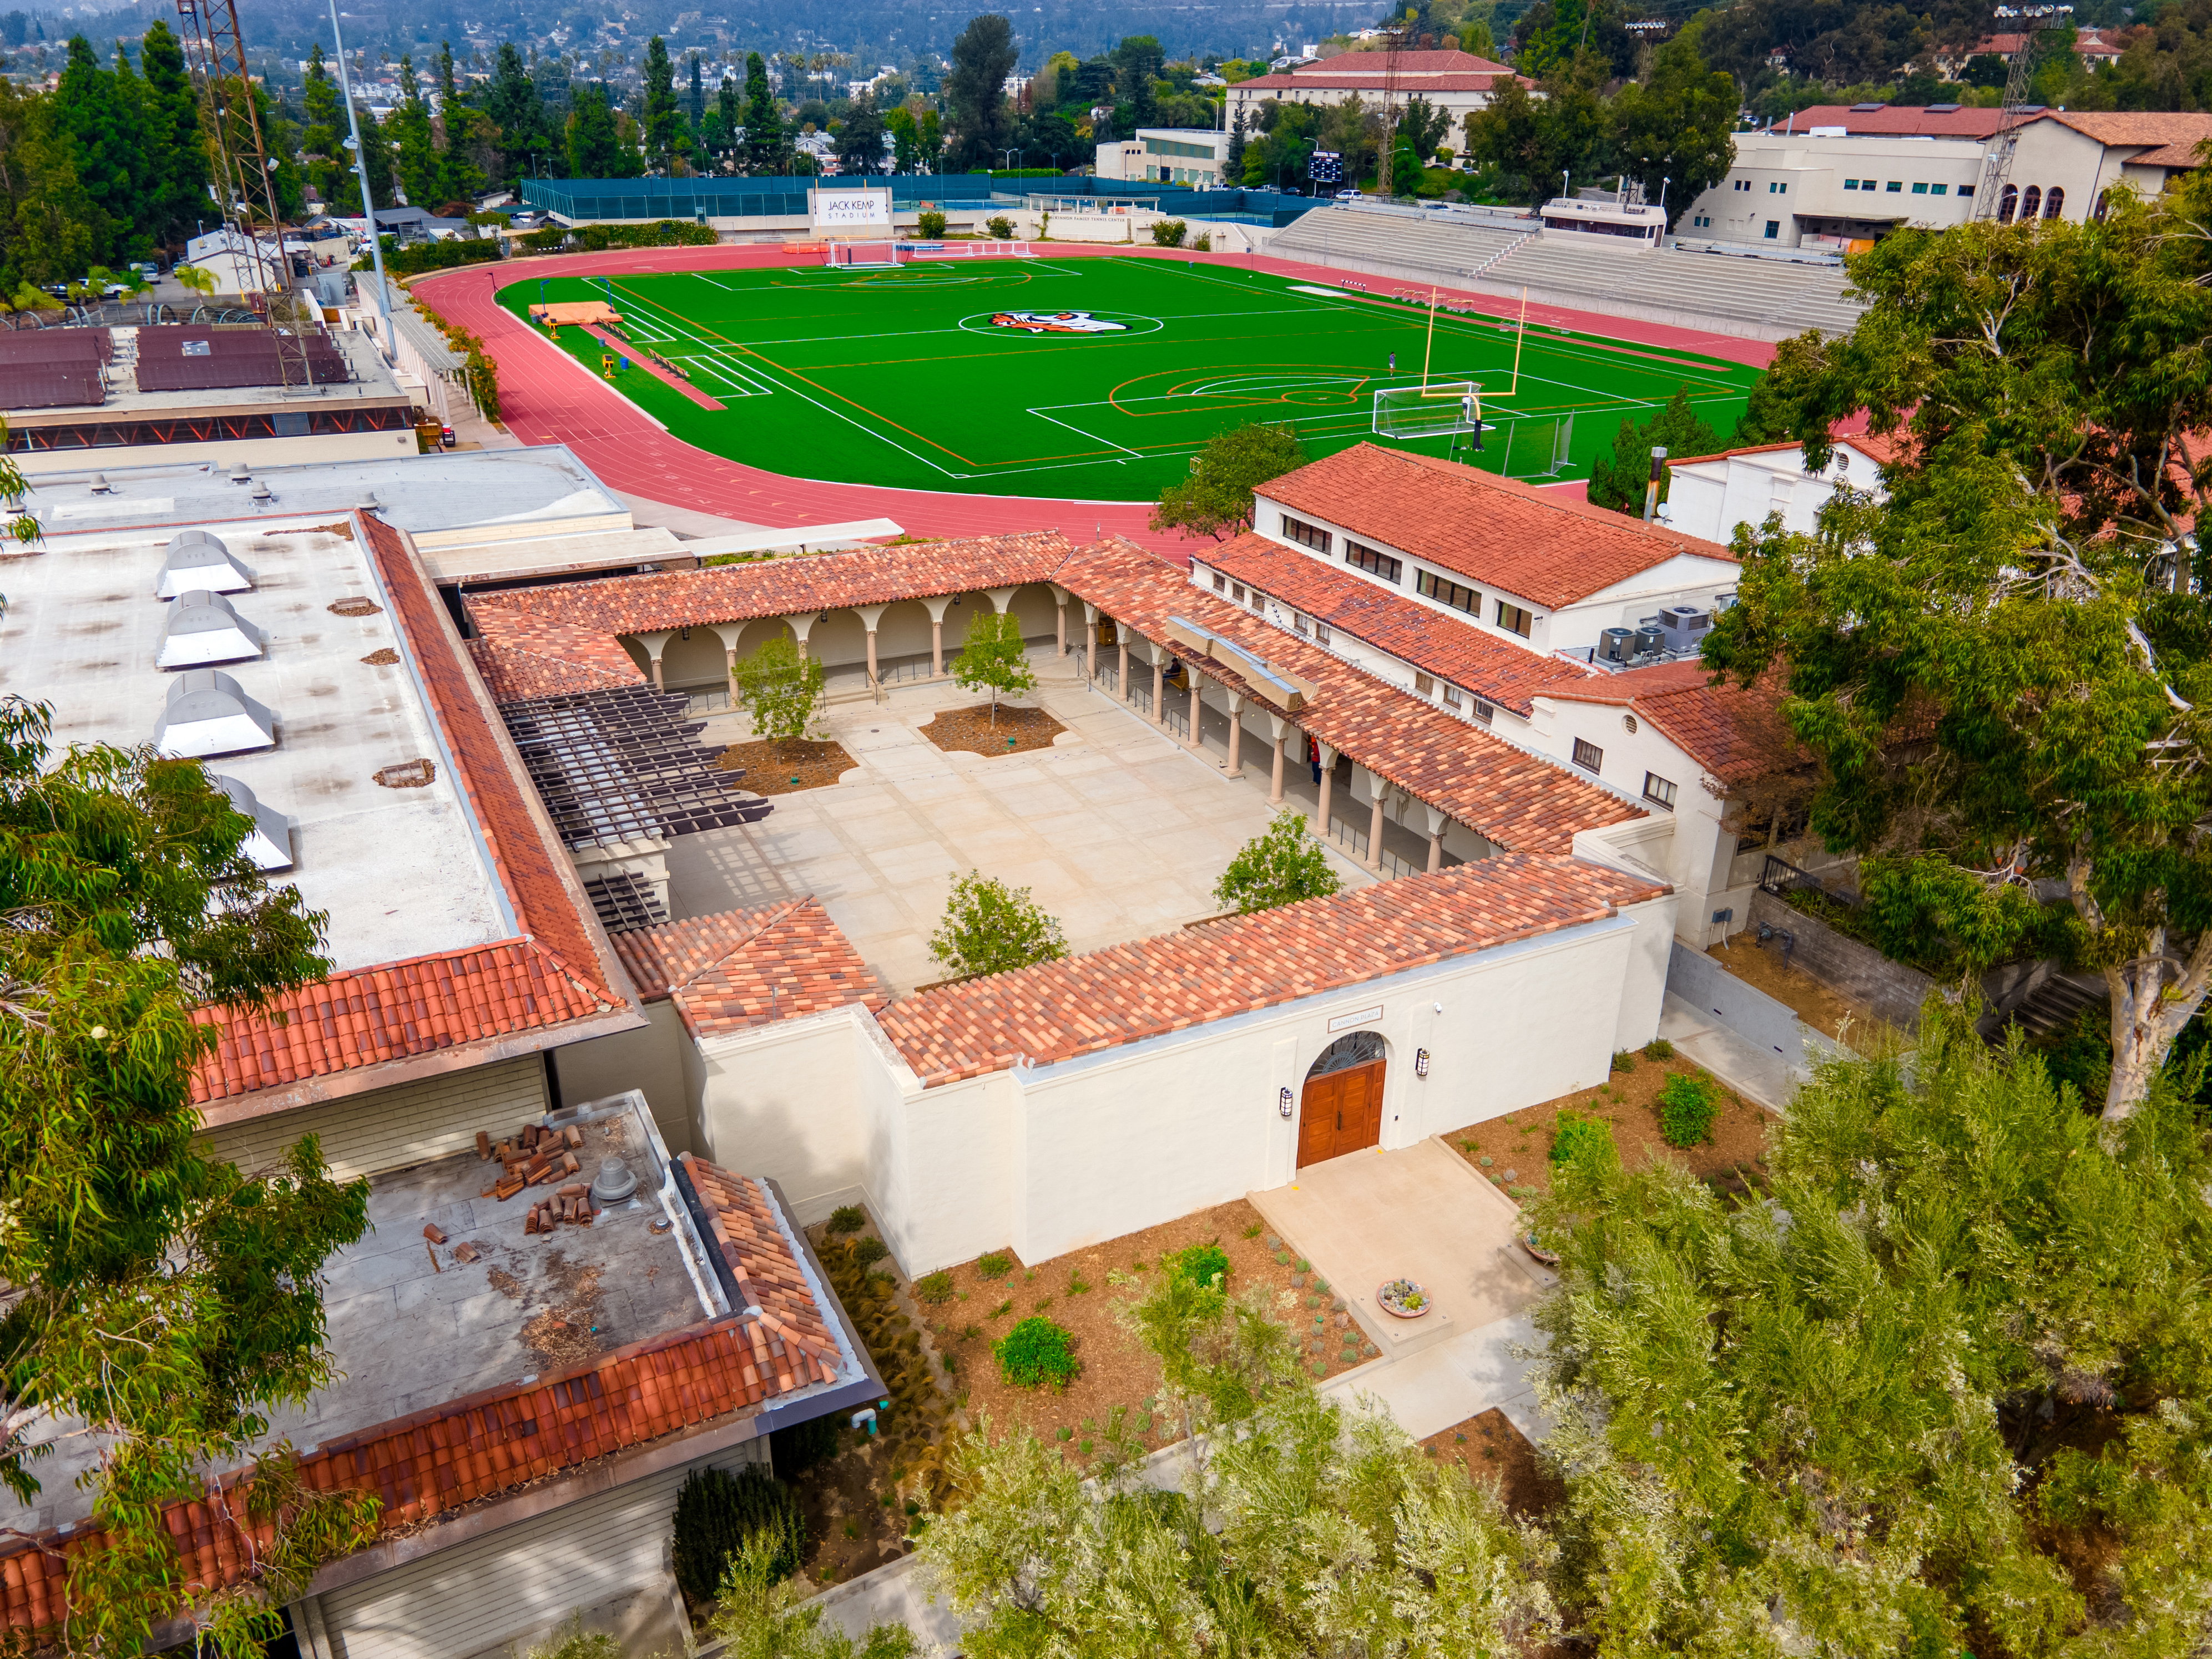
360 170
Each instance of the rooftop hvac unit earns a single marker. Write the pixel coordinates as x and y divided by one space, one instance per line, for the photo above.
270 846
1616 645
1685 626
209 714
1650 640
201 628
198 561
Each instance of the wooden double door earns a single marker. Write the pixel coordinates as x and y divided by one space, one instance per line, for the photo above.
1342 1112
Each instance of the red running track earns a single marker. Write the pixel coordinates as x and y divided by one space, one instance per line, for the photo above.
547 397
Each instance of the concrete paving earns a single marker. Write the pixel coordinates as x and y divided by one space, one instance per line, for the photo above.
1117 830
1420 1213
1758 1074
1429 1391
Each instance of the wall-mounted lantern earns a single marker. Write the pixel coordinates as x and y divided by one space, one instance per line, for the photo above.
1420 1062
1283 1101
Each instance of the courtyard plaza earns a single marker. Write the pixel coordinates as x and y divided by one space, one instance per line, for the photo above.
1118 830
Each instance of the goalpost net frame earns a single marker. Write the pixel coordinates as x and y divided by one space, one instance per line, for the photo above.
1439 409
916 249
838 252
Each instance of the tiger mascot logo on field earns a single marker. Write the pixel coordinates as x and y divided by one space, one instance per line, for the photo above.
1057 322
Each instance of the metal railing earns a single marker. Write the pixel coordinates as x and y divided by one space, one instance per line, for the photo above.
1780 877
1347 835
1178 725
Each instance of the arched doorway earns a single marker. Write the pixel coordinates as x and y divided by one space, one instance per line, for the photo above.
1342 1111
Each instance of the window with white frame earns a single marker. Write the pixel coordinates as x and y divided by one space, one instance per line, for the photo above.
1588 754
1307 535
1659 791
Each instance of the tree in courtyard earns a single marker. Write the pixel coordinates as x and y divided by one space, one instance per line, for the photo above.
2005 665
1215 499
995 658
1280 866
1618 476
782 688
1957 1348
992 928
164 1300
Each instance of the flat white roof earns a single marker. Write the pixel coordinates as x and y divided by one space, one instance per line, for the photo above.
400 871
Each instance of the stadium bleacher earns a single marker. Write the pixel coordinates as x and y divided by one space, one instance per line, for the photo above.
1728 291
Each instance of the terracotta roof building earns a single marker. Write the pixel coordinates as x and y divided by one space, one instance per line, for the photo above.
744 968
1457 82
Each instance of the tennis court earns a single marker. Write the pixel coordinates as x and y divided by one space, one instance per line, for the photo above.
1098 378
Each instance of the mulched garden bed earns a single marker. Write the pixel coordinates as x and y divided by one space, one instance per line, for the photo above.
1514 1151
970 730
1489 1446
1118 1370
785 769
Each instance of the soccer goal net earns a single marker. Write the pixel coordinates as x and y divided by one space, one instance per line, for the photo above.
864 255
967 250
1436 410
1534 446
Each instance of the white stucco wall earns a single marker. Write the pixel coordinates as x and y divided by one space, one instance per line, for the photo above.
1048 1158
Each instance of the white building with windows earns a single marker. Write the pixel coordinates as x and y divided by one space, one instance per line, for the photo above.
1714 495
1177 156
1457 82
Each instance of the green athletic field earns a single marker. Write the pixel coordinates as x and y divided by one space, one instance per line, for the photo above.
908 377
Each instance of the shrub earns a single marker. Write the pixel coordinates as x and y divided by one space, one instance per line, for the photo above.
1205 1266
870 1248
1033 1353
1168 232
1658 1048
718 1514
1000 226
573 1641
931 225
1688 1104
1574 1131
991 929
994 1264
1202 243
847 1218
934 1288
1281 866
1625 1060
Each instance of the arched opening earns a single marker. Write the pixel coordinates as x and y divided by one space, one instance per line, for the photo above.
2103 205
2030 204
1342 1109
2007 205
2054 203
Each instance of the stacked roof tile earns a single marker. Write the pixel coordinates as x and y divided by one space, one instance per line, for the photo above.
1150 986
1735 732
1411 632
439 1460
1539 545
742 968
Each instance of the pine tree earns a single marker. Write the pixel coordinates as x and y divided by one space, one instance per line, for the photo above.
698 107
593 144
1618 477
322 141
517 111
730 108
662 113
414 146
766 148
84 104
174 147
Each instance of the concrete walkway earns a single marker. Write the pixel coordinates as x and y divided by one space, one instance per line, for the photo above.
1419 1213
1429 1391
1756 1074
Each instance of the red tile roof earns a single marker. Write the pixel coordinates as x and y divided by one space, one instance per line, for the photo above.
1547 549
1880 450
744 968
1329 78
1516 800
440 1460
373 1015
551 974
1735 733
1150 987
1894 121
750 1238
2169 138
1413 633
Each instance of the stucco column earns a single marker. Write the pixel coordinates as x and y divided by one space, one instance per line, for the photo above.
728 632
1123 632
1160 688
801 626
1197 710
1059 620
653 644
1090 643
1327 783
1000 599
1282 729
870 615
1437 820
937 609
1380 791
1235 768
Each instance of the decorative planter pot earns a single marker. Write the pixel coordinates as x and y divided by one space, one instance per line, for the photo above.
1402 1298
1549 1258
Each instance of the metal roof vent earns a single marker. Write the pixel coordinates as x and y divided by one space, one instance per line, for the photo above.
209 714
369 503
241 474
202 628
270 846
100 486
262 491
197 561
